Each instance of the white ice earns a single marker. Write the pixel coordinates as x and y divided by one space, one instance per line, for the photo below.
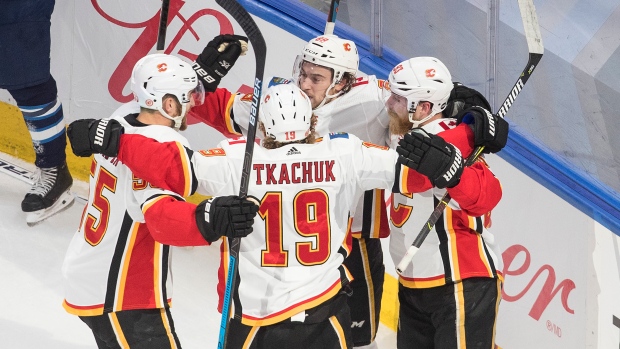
31 289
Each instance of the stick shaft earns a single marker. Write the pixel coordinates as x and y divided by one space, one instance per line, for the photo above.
163 25
536 50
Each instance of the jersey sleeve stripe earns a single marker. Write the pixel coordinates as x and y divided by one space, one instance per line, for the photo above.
228 120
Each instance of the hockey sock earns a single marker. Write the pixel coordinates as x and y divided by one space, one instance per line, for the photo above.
44 118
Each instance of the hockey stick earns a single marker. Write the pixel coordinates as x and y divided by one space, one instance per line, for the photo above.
24 175
260 51
163 25
331 17
536 50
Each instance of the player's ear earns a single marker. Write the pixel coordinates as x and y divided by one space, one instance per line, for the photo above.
168 104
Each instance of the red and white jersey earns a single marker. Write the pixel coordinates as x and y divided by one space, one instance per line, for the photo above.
117 260
360 112
293 259
459 246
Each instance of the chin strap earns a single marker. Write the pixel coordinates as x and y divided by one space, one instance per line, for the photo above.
178 120
329 97
417 123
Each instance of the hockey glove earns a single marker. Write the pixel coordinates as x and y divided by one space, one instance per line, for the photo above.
218 57
90 136
431 156
463 97
229 216
490 130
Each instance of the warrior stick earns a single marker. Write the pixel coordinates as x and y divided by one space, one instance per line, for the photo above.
536 50
260 51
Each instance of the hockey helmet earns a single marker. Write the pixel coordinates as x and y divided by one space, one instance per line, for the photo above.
157 75
331 52
422 79
286 113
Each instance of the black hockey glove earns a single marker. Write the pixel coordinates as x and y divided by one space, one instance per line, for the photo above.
90 136
217 58
490 130
431 156
463 97
229 216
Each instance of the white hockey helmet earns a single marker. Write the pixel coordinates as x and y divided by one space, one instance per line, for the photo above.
332 52
286 113
422 79
157 75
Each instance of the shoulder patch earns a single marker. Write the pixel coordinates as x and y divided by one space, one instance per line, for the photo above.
278 81
247 97
237 140
384 84
213 152
338 135
360 81
372 145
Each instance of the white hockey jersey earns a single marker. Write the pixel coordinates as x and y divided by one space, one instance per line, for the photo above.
293 259
360 112
459 246
113 263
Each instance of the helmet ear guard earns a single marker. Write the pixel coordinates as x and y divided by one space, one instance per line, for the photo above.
286 113
422 79
157 75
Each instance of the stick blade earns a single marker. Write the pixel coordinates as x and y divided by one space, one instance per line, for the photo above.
531 26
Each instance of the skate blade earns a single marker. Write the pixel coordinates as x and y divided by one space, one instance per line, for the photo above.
65 201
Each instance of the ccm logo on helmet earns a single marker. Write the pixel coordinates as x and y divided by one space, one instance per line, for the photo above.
162 67
397 68
430 73
321 39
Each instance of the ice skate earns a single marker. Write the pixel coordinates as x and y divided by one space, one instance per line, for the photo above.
49 194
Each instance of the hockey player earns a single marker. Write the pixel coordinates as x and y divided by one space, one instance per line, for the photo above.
290 270
450 293
117 267
25 72
326 71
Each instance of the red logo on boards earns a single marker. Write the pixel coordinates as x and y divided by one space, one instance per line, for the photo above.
148 38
